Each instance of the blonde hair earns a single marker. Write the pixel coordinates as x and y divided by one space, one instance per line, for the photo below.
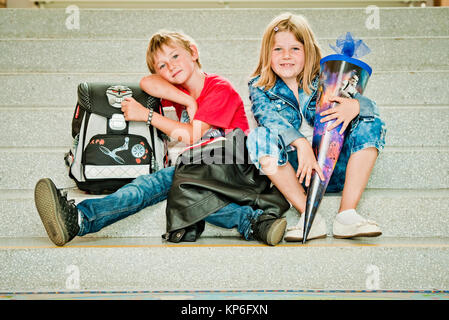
300 28
170 38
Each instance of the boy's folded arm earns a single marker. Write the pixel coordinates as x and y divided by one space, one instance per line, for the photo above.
157 86
267 116
188 133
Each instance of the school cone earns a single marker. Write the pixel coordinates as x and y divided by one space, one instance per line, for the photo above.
314 195
340 75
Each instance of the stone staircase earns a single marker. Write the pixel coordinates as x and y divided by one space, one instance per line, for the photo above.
43 59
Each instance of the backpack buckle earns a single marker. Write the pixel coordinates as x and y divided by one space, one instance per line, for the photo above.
117 122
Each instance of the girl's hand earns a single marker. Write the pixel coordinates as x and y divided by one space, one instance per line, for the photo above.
306 161
133 110
346 110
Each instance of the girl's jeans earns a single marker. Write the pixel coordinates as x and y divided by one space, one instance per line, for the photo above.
148 190
263 141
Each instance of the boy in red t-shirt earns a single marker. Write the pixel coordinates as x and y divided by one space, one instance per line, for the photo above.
210 102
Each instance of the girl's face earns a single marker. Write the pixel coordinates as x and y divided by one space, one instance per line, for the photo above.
174 63
287 57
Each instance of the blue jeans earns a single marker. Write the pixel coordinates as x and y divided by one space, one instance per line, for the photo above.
364 134
148 190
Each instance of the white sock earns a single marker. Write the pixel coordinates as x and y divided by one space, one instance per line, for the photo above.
349 217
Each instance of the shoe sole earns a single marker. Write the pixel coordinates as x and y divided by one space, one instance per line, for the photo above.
297 239
368 234
46 200
276 232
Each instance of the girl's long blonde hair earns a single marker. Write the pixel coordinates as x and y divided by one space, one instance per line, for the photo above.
300 28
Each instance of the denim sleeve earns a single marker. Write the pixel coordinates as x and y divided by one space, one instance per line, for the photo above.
368 108
266 115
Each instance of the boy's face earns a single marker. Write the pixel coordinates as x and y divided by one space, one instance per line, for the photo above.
174 63
287 57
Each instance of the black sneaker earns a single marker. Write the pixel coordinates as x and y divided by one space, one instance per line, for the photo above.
269 229
59 215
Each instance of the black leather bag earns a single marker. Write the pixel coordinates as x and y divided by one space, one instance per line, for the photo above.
200 188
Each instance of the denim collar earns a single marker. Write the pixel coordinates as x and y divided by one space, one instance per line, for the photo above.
281 90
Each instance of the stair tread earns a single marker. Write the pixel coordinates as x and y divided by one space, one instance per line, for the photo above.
122 55
108 23
215 242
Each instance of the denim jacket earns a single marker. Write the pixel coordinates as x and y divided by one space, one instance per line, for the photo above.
278 109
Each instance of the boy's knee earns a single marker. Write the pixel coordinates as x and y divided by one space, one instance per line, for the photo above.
138 181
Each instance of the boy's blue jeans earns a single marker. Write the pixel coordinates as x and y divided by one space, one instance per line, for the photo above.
148 190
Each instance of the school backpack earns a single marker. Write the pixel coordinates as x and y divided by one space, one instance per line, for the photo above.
108 151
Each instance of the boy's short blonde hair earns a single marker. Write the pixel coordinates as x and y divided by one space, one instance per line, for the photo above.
300 28
169 38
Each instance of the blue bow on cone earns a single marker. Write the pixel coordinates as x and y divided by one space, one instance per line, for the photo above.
350 46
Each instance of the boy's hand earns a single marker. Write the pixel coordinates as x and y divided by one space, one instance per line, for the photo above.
346 110
306 161
191 110
133 110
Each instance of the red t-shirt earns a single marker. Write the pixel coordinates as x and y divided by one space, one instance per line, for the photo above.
218 104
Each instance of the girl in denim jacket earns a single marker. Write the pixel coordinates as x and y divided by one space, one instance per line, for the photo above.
283 94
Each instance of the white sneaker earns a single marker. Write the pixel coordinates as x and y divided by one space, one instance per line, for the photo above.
318 230
361 227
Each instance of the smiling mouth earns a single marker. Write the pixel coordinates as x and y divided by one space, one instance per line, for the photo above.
176 73
286 64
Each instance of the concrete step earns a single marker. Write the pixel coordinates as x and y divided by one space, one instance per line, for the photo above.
220 24
400 122
217 56
396 168
31 264
60 89
226 295
400 213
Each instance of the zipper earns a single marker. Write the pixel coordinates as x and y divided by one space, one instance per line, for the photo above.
288 102
294 107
